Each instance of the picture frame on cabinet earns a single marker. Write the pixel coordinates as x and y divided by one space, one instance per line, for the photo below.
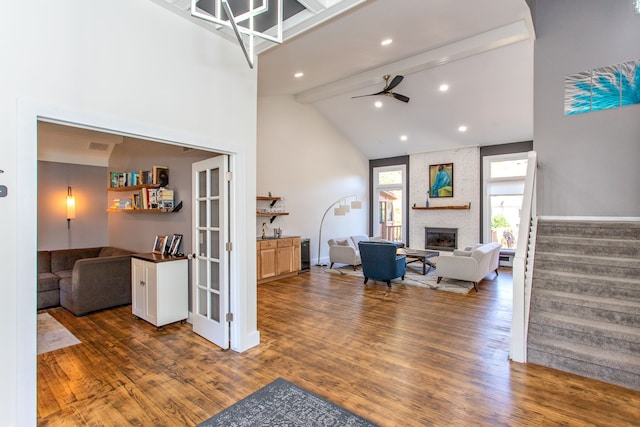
174 246
159 245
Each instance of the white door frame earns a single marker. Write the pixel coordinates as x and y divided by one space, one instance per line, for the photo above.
28 113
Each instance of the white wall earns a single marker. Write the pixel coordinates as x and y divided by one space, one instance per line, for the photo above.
588 163
466 189
127 65
304 159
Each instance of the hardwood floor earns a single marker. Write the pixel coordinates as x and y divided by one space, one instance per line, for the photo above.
399 357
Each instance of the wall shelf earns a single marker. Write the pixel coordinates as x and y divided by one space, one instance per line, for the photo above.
133 187
143 210
272 202
442 207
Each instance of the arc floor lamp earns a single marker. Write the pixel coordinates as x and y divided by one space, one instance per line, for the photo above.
342 209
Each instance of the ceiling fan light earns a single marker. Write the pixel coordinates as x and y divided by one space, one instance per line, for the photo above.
378 104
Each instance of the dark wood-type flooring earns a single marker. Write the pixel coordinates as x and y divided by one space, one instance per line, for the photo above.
399 357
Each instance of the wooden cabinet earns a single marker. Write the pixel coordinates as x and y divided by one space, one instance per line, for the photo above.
159 288
278 258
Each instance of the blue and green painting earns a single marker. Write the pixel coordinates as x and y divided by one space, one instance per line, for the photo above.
607 87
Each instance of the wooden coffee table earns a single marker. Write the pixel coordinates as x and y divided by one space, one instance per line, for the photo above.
420 255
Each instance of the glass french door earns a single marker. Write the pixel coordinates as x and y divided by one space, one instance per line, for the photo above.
210 284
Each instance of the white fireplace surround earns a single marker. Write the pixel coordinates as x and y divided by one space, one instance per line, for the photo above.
466 163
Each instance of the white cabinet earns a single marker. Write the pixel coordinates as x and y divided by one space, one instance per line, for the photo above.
159 288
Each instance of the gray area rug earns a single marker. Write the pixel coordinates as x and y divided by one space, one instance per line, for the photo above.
282 403
52 335
413 278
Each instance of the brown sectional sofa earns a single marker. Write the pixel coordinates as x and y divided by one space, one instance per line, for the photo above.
84 280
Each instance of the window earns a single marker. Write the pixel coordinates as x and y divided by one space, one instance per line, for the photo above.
503 192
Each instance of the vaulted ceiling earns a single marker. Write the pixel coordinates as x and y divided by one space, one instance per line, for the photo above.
483 51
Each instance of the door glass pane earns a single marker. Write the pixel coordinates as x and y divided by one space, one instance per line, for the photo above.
215 276
202 243
215 179
215 244
215 307
390 203
215 214
202 184
505 219
202 272
202 302
202 213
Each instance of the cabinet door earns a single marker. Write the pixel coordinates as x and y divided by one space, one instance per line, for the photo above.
152 293
267 263
297 260
285 260
138 288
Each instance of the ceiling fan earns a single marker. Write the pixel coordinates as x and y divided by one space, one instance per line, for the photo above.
388 88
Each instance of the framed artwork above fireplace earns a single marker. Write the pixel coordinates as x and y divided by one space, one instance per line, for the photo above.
441 180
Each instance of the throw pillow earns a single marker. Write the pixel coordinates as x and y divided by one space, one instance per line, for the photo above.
342 242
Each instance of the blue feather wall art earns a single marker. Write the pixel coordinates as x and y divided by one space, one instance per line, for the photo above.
607 87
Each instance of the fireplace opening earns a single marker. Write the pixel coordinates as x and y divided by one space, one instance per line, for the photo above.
441 239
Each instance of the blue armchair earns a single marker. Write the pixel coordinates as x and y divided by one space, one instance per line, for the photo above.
380 261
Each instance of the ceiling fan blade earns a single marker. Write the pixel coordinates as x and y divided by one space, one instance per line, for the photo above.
362 96
395 82
400 97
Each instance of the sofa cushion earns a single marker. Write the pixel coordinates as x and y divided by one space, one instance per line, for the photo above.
63 260
111 251
66 274
48 282
342 242
44 262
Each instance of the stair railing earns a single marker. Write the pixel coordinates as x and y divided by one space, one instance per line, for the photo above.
522 286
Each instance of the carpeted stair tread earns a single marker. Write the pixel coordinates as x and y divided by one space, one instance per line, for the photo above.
624 306
587 331
626 230
587 285
618 248
588 259
587 278
586 353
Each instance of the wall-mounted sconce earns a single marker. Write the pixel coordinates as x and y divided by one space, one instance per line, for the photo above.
71 207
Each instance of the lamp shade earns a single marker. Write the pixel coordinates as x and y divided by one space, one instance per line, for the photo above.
71 205
356 204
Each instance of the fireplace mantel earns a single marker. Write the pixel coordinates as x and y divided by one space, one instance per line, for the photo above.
442 207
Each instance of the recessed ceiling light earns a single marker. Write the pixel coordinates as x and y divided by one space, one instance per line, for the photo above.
403 137
386 42
462 128
444 87
378 104
298 74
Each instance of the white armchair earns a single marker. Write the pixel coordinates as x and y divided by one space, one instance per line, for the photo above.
472 264
344 250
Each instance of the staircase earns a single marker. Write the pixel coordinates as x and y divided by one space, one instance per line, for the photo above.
585 300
